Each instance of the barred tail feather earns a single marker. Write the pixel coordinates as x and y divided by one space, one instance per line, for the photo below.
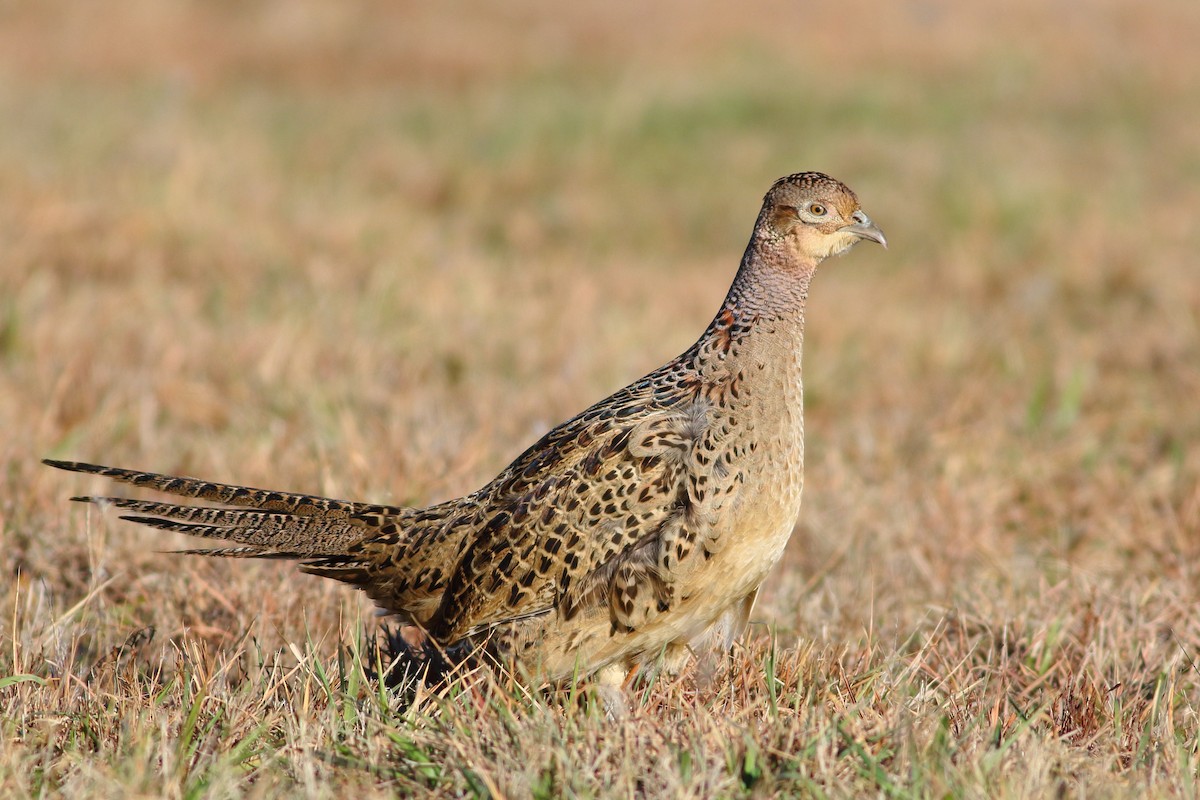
277 524
355 543
225 493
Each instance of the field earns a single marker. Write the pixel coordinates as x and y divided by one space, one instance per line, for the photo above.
374 250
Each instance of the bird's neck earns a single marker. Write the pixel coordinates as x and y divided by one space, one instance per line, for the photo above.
750 356
771 285
757 336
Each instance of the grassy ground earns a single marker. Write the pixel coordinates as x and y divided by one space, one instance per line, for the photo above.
373 252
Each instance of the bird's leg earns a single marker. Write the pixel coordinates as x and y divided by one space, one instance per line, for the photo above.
714 647
611 682
738 618
629 676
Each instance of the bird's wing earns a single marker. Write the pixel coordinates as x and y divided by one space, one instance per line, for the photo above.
609 508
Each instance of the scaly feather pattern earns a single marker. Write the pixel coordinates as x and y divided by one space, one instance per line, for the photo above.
644 525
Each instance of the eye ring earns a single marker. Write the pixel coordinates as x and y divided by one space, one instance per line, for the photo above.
817 209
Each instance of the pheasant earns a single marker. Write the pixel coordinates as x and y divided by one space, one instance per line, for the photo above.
641 528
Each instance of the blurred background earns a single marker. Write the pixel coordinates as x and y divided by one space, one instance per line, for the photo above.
374 249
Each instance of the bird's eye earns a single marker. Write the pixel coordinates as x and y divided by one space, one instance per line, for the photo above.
817 210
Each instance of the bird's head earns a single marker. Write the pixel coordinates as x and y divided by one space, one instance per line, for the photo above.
814 216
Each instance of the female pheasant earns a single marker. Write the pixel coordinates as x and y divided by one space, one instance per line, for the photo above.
644 525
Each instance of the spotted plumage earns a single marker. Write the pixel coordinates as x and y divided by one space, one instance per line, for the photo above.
644 525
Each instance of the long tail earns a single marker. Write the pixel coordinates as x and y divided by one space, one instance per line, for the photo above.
331 538
279 524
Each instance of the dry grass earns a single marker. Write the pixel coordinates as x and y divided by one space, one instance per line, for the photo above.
372 252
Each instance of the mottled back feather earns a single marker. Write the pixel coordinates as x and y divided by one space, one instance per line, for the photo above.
634 526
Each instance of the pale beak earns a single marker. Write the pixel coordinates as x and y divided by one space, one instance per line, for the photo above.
863 228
